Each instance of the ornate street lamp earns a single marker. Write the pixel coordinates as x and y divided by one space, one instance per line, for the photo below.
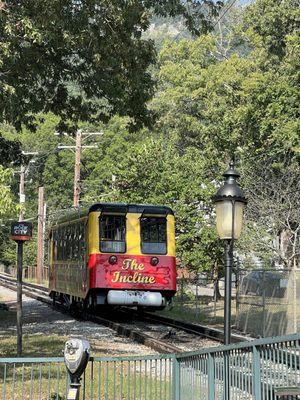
230 202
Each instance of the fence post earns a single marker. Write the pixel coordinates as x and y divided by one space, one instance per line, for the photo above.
226 375
264 305
237 289
211 378
176 379
295 327
196 299
256 383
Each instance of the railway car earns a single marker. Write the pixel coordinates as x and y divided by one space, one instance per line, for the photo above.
113 255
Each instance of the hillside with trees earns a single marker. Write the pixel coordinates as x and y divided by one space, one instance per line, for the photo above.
231 92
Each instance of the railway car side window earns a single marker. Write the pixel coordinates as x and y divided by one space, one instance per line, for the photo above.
112 233
81 240
153 235
59 244
55 247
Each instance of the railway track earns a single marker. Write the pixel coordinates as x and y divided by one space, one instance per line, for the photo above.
276 361
162 334
196 329
40 293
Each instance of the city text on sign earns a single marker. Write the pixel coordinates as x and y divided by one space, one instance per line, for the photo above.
21 230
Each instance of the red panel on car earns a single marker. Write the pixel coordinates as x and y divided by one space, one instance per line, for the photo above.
132 272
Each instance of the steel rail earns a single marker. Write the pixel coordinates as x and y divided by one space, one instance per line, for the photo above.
196 329
135 335
241 377
191 328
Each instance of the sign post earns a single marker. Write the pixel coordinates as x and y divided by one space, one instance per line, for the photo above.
20 233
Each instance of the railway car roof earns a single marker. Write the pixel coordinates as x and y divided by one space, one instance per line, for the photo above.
114 207
131 208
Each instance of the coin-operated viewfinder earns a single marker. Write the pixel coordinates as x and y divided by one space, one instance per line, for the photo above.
77 354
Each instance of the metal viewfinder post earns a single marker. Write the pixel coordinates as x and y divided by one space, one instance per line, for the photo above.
76 354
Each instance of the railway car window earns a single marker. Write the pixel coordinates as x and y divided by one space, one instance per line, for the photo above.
154 235
63 243
81 241
72 242
75 242
55 248
67 243
112 233
59 244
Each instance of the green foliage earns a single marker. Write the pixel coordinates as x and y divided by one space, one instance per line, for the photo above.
272 214
272 22
7 205
231 92
10 152
221 106
82 61
157 173
8 210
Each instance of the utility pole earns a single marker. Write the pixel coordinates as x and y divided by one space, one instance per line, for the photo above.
22 193
77 169
22 172
78 150
40 236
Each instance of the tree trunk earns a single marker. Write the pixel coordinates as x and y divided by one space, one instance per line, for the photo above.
216 277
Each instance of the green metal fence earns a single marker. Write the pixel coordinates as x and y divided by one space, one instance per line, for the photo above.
255 370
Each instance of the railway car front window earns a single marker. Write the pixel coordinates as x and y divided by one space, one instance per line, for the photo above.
112 234
154 235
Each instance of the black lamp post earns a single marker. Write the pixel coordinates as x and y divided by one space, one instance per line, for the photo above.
230 202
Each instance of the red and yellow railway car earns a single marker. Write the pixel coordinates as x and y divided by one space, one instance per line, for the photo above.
114 254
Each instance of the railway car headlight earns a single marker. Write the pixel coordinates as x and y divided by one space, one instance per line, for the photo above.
112 260
154 261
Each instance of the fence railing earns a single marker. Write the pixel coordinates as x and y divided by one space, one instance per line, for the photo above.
253 370
29 272
268 301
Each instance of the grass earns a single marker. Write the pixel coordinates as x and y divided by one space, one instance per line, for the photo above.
44 282
204 311
34 346
112 379
106 380
278 316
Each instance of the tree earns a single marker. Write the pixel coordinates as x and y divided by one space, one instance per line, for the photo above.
237 100
271 24
8 209
10 152
7 205
210 103
82 61
155 172
272 229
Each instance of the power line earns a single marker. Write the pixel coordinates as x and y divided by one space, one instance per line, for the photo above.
225 12
219 19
